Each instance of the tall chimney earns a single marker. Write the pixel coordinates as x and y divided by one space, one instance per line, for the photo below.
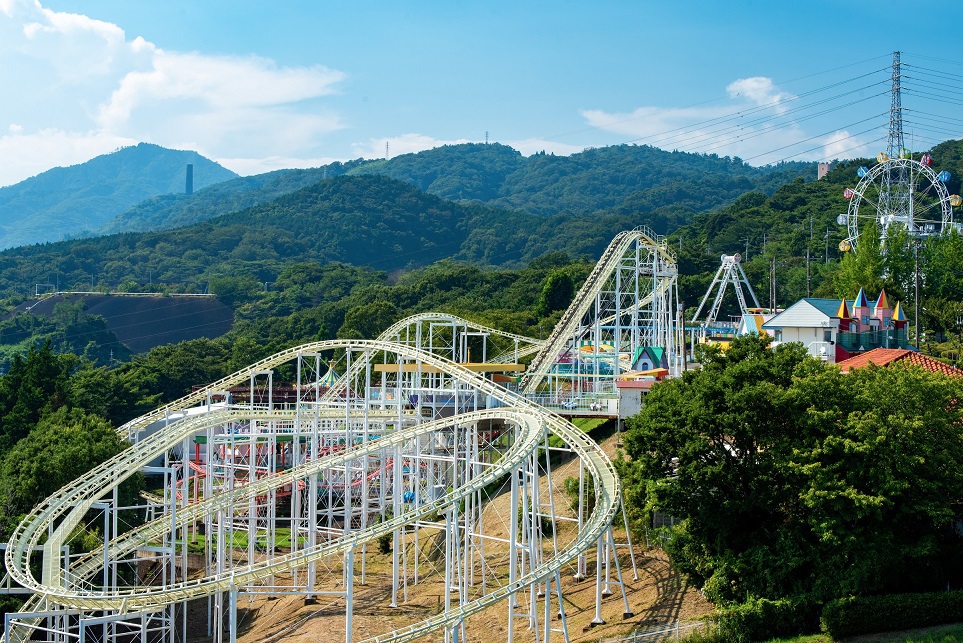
189 188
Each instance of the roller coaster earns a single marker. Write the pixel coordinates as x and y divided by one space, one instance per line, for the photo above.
403 443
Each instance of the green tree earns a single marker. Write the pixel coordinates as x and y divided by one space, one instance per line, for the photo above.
863 268
368 320
65 445
557 293
792 479
34 386
115 394
235 290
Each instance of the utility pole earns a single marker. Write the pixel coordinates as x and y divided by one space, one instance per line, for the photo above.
916 253
827 244
809 276
772 284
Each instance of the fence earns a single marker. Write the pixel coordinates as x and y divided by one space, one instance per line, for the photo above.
666 632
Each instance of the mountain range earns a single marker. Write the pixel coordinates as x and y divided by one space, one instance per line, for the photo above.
75 201
667 188
141 188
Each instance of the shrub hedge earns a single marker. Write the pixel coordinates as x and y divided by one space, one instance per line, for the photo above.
762 619
853 615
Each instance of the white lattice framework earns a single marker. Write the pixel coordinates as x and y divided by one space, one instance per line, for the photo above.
286 496
409 447
628 302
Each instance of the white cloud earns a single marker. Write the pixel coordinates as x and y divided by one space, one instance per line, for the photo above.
374 148
761 91
216 83
84 83
842 144
755 124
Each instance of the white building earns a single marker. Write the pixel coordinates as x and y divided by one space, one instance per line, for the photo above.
813 322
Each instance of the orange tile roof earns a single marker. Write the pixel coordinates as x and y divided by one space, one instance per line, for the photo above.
885 356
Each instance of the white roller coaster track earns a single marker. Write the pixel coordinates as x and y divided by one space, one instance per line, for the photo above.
393 332
57 516
396 328
585 298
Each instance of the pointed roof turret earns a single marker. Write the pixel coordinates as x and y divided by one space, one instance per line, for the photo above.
861 301
898 315
881 303
330 378
843 312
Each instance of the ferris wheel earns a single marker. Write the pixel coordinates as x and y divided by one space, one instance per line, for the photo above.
903 191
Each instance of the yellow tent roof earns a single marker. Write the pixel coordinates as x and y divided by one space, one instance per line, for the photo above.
650 372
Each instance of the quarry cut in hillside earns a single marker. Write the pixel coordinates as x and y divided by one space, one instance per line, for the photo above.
144 321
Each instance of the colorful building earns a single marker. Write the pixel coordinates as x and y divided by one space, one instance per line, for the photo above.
836 329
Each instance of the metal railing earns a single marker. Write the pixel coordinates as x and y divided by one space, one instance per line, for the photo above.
677 631
868 340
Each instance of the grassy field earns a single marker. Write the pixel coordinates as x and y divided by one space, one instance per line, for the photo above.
589 424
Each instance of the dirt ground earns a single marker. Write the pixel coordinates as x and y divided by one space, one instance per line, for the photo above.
656 595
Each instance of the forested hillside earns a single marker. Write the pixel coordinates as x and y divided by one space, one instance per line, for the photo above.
77 200
639 178
176 210
370 220
664 188
363 220
350 255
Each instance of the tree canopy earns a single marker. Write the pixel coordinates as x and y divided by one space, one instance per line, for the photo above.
792 479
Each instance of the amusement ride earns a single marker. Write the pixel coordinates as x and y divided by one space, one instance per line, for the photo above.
400 443
899 189
433 446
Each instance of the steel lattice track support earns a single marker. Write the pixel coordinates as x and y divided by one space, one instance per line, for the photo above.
411 448
628 303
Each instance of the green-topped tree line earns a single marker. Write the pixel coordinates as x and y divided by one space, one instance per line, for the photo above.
793 482
667 188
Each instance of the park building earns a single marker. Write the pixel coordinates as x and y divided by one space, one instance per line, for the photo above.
834 330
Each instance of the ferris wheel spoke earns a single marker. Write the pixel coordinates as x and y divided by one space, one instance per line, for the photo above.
898 191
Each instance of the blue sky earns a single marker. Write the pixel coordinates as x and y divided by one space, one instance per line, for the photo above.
263 85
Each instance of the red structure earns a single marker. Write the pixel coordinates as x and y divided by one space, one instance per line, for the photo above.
887 356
